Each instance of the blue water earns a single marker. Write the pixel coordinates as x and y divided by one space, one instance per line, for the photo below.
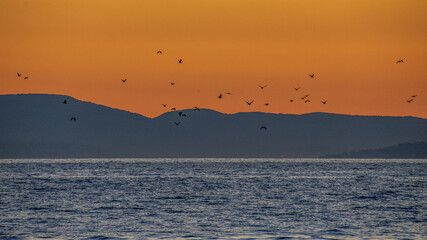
213 198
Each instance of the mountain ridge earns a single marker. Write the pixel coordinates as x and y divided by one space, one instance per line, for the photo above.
42 120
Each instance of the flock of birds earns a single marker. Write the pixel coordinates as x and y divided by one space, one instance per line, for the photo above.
220 96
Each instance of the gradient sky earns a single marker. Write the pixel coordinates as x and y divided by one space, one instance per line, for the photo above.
83 48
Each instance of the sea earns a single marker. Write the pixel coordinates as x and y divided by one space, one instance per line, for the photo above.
213 198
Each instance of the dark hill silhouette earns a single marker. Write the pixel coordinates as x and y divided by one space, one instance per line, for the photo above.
416 150
38 125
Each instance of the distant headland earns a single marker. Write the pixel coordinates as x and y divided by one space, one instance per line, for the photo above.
59 126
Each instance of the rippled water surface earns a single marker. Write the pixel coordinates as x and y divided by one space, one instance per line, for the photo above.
213 198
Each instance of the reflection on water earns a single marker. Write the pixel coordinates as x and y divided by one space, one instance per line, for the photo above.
212 198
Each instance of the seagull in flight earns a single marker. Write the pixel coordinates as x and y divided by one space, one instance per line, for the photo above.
25 77
266 104
164 105
263 128
311 75
305 96
324 102
249 103
291 100
172 83
196 109
64 102
124 80
414 96
262 87
296 89
410 100
18 74
73 119
306 101
177 123
399 61
180 61
220 95
229 93
173 109
159 52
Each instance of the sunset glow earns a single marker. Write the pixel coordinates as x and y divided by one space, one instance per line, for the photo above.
84 48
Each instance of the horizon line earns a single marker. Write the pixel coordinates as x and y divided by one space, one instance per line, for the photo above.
201 108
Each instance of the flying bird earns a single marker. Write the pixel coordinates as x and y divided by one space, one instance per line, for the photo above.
159 52
172 83
410 100
263 128
296 89
324 102
266 104
414 96
399 61
179 114
64 102
249 103
229 93
262 87
306 101
196 109
173 109
305 96
164 105
311 75
73 119
25 77
124 80
18 74
180 61
177 123
220 95
291 100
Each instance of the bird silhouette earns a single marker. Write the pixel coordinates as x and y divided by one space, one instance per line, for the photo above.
266 104
311 75
172 83
177 123
64 102
324 102
229 93
220 95
306 101
73 119
164 105
263 128
18 74
296 89
196 109
410 100
159 52
291 100
262 87
305 96
180 61
399 61
124 80
173 109
180 114
25 77
249 103
414 96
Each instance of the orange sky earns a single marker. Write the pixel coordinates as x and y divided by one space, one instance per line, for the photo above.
83 48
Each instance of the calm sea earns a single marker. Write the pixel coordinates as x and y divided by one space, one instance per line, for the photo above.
213 199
